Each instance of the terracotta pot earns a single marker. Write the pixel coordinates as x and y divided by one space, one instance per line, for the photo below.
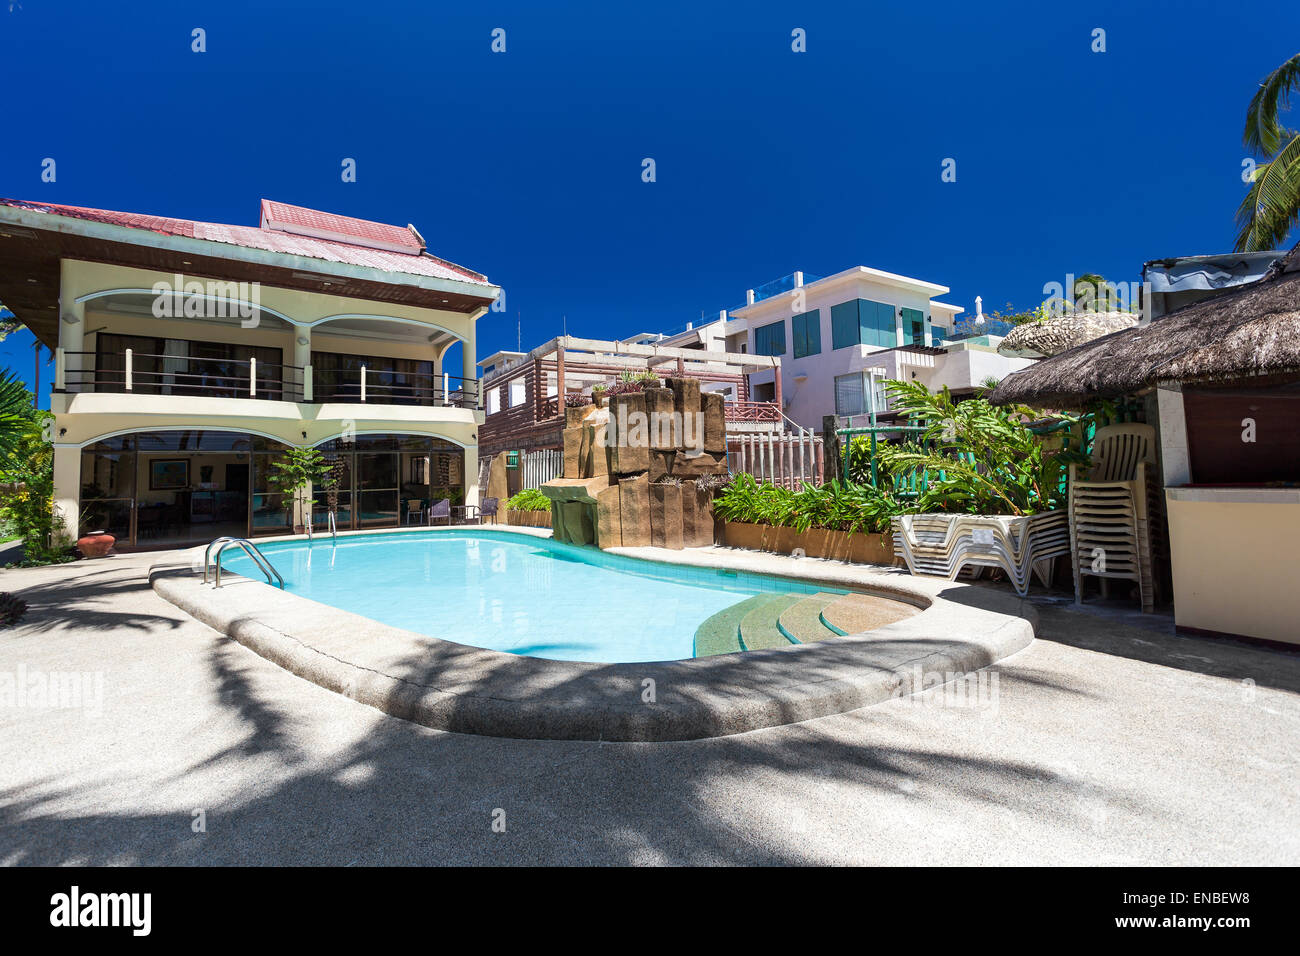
96 544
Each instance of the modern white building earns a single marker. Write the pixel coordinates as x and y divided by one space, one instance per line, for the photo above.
841 337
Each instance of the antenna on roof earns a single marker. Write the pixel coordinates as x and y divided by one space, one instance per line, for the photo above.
519 332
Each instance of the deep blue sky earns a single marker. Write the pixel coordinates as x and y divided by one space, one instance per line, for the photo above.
527 165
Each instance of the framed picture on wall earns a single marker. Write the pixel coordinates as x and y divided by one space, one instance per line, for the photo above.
169 474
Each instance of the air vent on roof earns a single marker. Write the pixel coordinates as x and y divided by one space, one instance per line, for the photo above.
314 224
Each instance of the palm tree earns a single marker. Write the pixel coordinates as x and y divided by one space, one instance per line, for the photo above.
15 414
1272 205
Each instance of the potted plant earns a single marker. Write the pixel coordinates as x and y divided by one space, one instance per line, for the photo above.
291 475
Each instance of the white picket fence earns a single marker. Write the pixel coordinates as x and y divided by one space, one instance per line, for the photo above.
787 460
541 466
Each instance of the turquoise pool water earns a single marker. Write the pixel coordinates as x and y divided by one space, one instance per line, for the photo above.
513 592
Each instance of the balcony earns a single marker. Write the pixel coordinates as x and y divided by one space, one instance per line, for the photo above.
142 373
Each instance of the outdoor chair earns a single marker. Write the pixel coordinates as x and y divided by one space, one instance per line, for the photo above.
440 510
414 510
1115 512
478 512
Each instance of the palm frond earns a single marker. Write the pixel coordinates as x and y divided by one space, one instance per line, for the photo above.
1264 133
1272 205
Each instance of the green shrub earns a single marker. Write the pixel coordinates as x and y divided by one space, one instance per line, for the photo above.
530 499
834 506
27 508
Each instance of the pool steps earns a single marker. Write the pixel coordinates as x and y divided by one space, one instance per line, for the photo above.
758 628
802 621
764 620
855 613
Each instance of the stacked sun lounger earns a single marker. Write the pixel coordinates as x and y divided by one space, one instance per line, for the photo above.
1115 515
944 545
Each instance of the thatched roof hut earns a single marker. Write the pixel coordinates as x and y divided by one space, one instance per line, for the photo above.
1244 332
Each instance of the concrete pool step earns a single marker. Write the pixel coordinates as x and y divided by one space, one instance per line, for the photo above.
802 621
759 628
720 634
855 613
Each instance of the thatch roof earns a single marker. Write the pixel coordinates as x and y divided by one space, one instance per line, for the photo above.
1243 332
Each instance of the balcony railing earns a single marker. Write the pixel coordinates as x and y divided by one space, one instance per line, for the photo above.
761 412
387 387
151 374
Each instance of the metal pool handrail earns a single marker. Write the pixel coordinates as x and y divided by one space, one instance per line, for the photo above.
259 559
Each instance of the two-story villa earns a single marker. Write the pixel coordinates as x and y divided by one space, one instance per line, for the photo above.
189 355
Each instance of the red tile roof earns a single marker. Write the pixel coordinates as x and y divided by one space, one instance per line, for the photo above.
271 239
326 225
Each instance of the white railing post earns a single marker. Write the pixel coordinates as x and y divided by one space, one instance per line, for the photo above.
60 370
128 370
363 383
307 394
252 377
446 386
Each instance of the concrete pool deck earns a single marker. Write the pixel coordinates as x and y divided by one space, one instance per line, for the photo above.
1112 741
456 687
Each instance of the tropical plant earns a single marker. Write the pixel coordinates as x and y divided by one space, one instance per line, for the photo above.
1272 204
294 471
835 506
16 413
975 457
530 499
27 503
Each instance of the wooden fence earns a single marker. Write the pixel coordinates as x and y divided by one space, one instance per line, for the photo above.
787 460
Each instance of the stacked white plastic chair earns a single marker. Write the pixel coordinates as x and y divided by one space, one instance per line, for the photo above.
1115 513
945 545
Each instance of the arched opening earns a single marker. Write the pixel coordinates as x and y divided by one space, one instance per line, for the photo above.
389 480
171 488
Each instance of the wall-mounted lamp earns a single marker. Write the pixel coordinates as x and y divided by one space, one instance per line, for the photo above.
62 432
71 319
303 340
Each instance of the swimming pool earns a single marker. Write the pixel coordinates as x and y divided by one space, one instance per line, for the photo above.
528 595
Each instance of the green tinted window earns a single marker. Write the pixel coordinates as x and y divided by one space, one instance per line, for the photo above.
807 331
770 339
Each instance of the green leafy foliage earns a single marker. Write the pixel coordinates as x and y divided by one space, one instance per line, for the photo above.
296 469
977 458
27 501
835 506
1272 204
530 499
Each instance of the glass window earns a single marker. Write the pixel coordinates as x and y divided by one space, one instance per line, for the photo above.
770 339
849 398
914 326
807 333
863 322
517 393
851 394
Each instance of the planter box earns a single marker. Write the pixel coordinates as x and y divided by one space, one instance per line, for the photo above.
528 519
815 542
